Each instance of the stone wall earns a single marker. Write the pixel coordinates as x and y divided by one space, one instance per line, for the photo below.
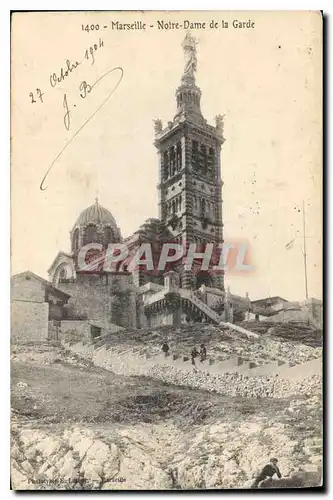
233 383
161 318
315 308
85 350
56 312
81 329
29 321
25 288
89 298
291 315
92 299
54 330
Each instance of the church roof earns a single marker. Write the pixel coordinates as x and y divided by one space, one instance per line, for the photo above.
96 214
59 258
152 230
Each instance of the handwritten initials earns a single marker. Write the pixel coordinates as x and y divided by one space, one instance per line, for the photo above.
67 119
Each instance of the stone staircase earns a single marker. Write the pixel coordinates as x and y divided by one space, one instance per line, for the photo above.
209 314
232 377
199 304
240 329
156 297
186 295
231 365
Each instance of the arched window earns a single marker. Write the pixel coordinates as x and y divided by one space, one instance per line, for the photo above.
91 235
204 157
63 273
76 240
195 154
172 161
108 235
203 208
166 164
60 274
179 156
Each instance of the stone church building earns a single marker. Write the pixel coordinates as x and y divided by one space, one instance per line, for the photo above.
190 211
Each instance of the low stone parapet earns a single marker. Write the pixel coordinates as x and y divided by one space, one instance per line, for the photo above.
178 372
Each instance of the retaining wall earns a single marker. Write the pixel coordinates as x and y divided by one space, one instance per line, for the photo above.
232 383
80 327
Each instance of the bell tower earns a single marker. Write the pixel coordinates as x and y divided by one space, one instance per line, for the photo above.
189 186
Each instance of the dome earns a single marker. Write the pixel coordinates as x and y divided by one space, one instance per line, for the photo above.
96 214
95 224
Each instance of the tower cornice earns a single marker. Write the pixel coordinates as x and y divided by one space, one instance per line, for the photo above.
188 126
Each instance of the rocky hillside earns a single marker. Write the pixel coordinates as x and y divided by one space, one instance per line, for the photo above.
290 331
76 426
221 343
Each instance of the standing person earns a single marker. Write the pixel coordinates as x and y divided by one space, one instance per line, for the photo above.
194 354
267 472
165 349
203 353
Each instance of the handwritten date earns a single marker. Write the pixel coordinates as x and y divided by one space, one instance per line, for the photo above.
90 53
58 77
39 96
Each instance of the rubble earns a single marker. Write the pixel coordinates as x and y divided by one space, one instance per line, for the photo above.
220 455
76 457
21 385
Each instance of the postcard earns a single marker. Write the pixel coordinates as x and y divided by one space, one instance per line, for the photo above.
166 250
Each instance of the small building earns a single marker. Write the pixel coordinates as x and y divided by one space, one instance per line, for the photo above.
35 304
269 303
263 309
315 309
277 309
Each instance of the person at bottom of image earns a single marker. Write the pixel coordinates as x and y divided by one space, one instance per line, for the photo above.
267 473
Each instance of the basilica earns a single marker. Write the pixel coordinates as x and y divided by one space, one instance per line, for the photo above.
190 211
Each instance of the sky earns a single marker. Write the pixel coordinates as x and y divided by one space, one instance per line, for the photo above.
267 82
